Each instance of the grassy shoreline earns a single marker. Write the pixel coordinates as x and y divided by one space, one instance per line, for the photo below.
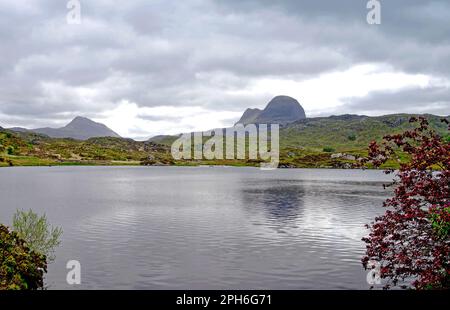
29 161
330 142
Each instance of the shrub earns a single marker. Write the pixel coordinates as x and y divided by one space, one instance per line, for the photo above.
20 267
351 137
10 150
329 149
440 221
447 138
411 240
37 232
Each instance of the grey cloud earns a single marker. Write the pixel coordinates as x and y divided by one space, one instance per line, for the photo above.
156 118
198 52
435 100
414 35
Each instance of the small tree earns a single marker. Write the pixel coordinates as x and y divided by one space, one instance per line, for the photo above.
411 240
37 232
20 267
10 150
351 137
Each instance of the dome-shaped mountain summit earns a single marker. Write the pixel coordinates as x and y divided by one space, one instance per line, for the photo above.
280 110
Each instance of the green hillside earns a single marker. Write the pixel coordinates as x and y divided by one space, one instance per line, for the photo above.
335 141
347 132
19 148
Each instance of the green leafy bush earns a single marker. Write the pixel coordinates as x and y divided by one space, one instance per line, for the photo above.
37 232
328 149
10 150
440 220
20 267
351 137
447 138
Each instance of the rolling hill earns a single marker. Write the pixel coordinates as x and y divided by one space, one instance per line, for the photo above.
80 128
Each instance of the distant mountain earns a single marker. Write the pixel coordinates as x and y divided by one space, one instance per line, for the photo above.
80 128
280 110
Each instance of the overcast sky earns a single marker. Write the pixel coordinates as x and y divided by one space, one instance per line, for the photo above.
160 66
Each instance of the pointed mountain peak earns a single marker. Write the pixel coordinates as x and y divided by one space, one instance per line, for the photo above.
81 119
84 128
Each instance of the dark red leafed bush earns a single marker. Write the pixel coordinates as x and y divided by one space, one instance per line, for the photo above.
411 240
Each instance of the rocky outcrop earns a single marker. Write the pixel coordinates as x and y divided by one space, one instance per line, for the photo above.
343 156
250 116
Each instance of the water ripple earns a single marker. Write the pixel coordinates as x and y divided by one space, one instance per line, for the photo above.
201 228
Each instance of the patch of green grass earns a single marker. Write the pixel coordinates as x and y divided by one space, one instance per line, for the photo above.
28 161
329 149
447 138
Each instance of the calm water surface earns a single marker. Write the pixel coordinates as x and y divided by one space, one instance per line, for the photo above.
200 227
